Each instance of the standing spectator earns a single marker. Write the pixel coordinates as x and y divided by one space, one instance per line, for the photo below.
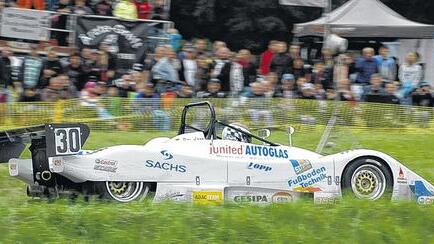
344 91
203 73
138 74
51 68
249 68
125 85
36 4
103 8
75 72
163 73
423 96
213 90
390 96
151 60
201 46
294 51
321 76
410 74
5 68
144 9
366 66
267 56
184 91
102 69
258 105
216 46
31 69
160 10
30 95
59 21
386 64
308 91
5 81
80 8
148 101
58 89
288 86
125 9
374 91
298 69
230 73
281 62
189 68
88 62
222 56
175 38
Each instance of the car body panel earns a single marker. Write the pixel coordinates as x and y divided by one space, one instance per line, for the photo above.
188 163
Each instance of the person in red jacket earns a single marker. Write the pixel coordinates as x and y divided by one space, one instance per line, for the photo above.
266 58
36 4
144 9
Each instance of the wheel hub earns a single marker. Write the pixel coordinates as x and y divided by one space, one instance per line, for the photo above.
125 191
368 182
365 182
118 187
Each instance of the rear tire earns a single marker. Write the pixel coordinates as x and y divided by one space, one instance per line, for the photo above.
367 178
123 191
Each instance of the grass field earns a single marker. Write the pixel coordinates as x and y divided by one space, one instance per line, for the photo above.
34 221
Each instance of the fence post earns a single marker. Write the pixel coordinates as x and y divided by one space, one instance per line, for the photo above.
58 111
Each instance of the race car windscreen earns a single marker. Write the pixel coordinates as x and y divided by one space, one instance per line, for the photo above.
197 119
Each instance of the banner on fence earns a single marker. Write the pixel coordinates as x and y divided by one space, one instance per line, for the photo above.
25 24
126 39
308 3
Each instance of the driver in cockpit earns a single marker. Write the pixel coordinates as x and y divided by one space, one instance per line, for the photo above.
235 135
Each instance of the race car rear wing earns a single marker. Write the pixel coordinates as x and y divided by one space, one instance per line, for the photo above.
56 139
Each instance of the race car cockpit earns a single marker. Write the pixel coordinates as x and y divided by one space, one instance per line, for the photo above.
235 131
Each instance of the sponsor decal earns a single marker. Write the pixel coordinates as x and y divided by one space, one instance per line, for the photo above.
166 155
259 167
310 178
207 197
174 196
309 189
325 200
281 197
401 177
249 150
106 165
251 199
57 162
425 200
301 166
166 166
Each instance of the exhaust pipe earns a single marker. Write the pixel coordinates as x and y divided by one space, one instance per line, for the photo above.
46 175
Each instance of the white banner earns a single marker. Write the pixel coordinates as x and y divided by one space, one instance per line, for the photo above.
25 24
308 3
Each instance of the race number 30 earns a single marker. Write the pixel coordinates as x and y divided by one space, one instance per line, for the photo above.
67 140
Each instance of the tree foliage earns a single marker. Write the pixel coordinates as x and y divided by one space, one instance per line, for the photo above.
252 23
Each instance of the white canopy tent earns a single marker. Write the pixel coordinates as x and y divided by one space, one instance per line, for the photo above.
365 18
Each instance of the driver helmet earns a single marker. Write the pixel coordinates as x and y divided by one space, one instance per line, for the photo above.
236 135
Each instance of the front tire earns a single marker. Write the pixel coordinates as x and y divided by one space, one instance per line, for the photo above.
123 191
368 178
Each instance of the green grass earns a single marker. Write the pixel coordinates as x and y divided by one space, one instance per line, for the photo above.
34 221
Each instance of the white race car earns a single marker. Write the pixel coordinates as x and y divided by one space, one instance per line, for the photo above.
199 166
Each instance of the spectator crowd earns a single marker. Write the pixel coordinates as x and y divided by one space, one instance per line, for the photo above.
205 70
127 9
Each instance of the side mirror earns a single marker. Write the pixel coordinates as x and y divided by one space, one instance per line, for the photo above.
264 133
291 131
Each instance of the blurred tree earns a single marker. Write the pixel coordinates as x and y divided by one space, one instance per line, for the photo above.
252 23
